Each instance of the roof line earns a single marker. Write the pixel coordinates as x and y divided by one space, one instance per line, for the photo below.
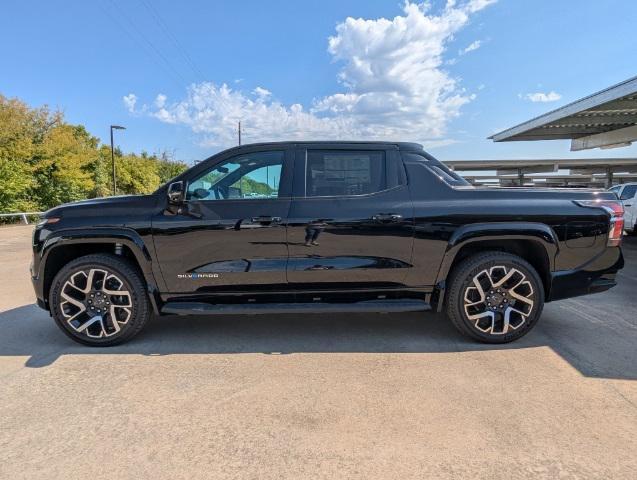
607 95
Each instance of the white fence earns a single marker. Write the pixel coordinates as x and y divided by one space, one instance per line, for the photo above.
23 215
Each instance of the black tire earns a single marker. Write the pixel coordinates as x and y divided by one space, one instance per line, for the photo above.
490 325
69 316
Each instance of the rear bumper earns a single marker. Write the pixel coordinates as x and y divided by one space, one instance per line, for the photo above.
594 277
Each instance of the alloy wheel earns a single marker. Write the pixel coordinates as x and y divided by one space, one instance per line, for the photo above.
96 303
499 300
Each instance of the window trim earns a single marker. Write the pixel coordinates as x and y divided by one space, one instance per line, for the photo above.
360 195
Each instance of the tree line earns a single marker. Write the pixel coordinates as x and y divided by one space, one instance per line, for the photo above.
46 161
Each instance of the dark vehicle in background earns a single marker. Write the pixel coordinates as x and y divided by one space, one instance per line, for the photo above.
324 227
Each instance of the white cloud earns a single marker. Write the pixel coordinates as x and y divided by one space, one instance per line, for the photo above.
160 100
261 92
394 87
472 46
213 111
129 101
542 97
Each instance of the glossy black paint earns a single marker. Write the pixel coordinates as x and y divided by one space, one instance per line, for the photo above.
401 242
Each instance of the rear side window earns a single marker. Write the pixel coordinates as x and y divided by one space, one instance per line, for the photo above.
449 176
628 192
345 172
439 169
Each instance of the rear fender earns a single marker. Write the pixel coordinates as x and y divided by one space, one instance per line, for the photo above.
539 233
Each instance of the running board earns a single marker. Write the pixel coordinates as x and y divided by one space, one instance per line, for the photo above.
371 306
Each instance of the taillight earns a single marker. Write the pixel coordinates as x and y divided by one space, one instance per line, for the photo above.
616 211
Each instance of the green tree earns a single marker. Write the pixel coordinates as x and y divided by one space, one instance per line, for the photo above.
45 161
169 169
21 133
64 170
136 174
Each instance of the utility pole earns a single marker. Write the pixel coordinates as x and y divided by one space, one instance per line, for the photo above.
114 127
239 130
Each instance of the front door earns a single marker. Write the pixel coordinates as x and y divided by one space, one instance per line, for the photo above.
629 199
230 234
351 219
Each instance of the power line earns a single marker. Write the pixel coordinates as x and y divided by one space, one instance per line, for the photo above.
150 43
177 44
167 65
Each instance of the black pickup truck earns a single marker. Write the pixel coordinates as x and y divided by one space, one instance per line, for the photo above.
323 227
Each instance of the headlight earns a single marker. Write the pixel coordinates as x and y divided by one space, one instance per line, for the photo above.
46 221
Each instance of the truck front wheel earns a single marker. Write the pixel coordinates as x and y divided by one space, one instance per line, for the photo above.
495 297
99 300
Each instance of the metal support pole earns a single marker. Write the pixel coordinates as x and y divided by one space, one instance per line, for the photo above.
239 130
113 163
609 177
114 127
521 177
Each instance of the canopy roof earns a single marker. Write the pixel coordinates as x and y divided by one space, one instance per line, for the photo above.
605 119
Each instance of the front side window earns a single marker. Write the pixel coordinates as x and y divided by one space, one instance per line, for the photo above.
245 177
342 173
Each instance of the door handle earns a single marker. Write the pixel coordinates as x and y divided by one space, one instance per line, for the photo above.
266 219
387 217
628 204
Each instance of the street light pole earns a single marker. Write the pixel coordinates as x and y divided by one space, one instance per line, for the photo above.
114 127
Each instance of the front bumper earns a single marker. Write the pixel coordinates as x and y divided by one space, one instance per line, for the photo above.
39 296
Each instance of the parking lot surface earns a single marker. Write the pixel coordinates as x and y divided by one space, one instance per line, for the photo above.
319 396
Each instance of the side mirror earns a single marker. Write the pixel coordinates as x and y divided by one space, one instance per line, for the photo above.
176 193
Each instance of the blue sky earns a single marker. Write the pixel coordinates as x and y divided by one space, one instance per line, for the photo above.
448 75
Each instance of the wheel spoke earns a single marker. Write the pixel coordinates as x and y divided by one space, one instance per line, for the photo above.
521 298
94 277
73 301
88 323
504 279
478 285
476 320
468 301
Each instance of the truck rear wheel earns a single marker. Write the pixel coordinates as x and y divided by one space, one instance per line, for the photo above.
495 297
99 300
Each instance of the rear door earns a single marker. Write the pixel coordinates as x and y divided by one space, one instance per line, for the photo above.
351 218
230 234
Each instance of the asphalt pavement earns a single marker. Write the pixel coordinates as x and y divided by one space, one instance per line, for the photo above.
319 396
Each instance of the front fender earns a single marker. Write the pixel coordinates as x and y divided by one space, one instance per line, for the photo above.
43 247
496 231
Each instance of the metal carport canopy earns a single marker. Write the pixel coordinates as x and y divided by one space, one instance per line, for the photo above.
606 119
610 167
592 165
